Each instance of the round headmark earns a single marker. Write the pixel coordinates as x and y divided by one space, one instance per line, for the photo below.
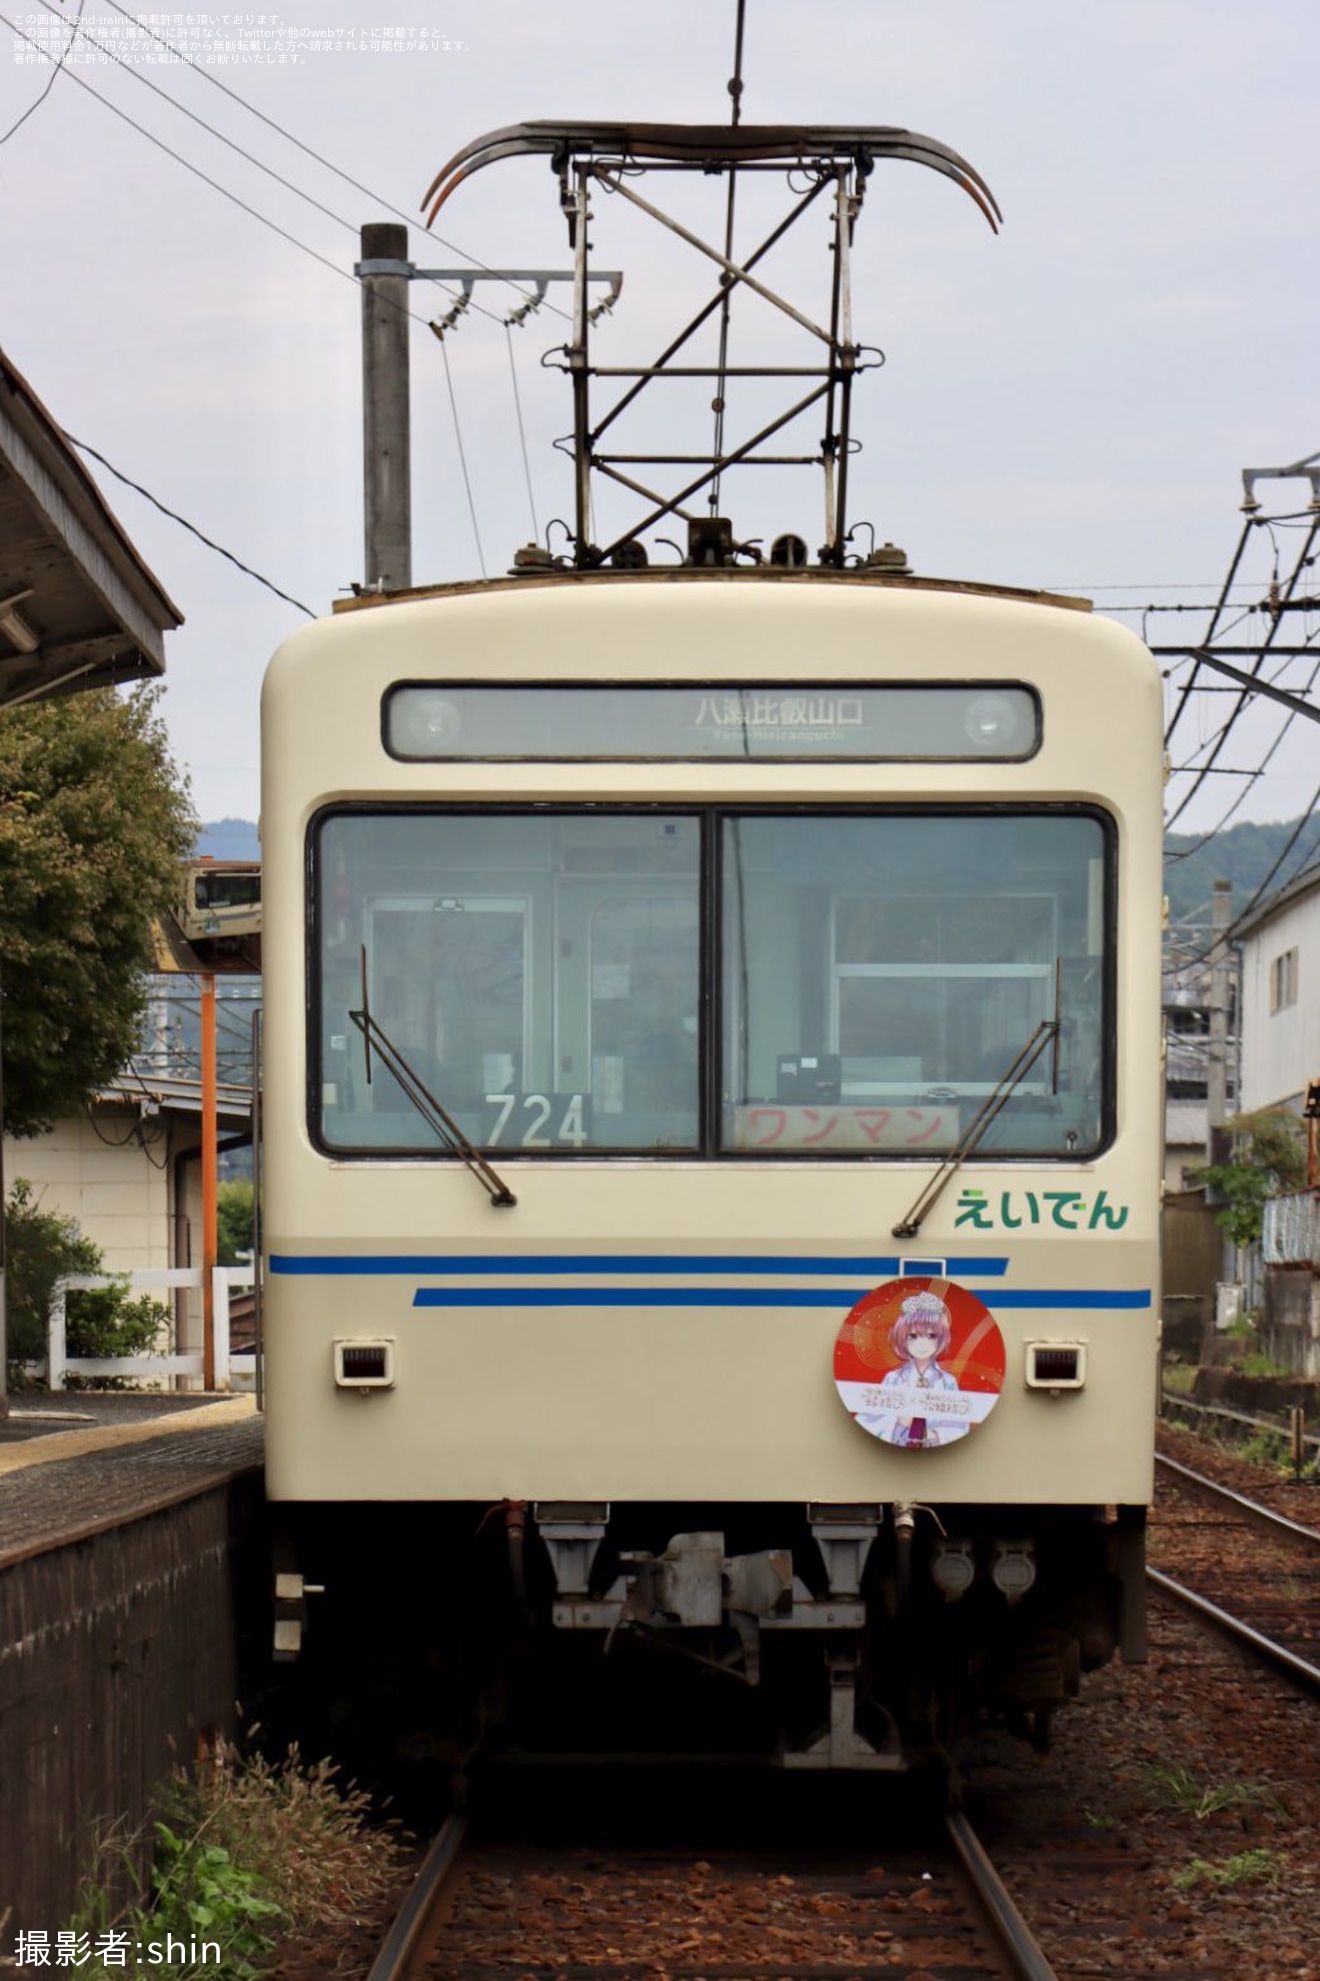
919 1362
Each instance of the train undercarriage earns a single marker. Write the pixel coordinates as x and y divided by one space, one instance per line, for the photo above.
855 1637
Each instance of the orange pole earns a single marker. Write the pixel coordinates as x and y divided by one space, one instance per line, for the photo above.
210 1238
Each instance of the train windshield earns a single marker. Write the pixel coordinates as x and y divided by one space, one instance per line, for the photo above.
869 979
882 975
540 976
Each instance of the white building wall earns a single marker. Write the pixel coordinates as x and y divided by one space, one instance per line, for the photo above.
115 1190
1281 1049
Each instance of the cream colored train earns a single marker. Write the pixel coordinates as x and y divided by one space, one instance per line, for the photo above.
712 1135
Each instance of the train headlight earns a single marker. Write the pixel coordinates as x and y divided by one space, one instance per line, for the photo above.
363 1365
996 724
1013 1570
423 722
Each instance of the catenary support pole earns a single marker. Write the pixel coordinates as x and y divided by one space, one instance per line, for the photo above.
386 458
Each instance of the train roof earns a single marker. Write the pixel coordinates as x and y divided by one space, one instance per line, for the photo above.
865 579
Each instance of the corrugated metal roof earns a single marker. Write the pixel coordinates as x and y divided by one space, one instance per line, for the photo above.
181 1096
84 610
1185 1124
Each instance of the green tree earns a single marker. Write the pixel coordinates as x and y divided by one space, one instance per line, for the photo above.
1269 1156
94 820
233 1221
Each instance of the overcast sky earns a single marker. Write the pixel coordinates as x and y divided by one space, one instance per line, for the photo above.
1068 405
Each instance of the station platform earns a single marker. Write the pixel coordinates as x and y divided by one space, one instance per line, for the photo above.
77 1464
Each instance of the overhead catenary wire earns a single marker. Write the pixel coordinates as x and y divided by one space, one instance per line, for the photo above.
188 166
85 448
308 151
1251 777
51 80
1281 596
522 434
462 457
233 145
273 227
1227 935
1219 606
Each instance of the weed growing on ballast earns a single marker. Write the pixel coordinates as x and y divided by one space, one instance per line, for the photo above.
244 1853
1178 1788
1249 1867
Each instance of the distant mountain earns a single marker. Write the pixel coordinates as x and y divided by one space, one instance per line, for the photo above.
1243 854
228 839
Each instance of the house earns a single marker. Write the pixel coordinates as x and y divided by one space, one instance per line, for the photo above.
78 607
1280 1060
1280 947
1193 1242
127 1171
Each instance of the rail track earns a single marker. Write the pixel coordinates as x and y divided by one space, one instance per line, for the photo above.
490 1910
1249 1570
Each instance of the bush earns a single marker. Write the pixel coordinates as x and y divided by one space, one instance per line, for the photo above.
42 1247
1269 1155
107 1320
233 1222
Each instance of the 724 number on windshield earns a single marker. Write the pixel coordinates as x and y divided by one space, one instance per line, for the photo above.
538 1121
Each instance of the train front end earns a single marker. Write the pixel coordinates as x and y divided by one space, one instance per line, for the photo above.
712 1142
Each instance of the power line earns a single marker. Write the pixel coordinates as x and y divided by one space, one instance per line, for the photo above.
50 83
1220 604
196 170
233 145
522 435
183 110
185 524
1227 934
468 300
462 456
308 151
1281 599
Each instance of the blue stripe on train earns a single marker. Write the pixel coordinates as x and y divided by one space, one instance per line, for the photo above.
606 1262
722 1296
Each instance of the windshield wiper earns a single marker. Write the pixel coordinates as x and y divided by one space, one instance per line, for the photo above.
425 1102
1046 1032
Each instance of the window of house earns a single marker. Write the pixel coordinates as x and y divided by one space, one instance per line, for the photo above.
1283 981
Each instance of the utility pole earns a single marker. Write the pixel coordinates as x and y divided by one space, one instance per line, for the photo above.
385 272
1221 978
1216 1083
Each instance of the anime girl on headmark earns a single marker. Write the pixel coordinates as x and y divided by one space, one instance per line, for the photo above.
942 1357
919 1336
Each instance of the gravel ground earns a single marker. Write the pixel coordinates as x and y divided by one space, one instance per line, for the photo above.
1198 1772
1172 1832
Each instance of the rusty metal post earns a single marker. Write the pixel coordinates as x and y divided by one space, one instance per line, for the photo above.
1297 1439
210 1128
